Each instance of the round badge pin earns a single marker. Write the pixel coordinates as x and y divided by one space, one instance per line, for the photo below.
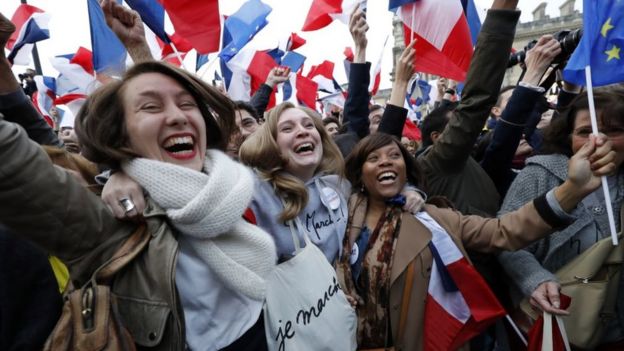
355 253
330 198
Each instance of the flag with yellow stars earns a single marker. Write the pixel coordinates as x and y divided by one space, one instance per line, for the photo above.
601 45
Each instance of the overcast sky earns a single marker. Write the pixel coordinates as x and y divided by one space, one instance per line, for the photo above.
70 29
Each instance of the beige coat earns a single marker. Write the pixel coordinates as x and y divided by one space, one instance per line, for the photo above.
510 232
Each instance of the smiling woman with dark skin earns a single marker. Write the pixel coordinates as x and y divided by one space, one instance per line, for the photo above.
382 241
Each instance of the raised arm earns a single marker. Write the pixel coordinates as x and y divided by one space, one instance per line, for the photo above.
510 127
356 105
260 99
394 116
128 26
485 75
14 104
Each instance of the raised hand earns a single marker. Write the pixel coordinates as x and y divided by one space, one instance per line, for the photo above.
128 26
358 28
592 161
539 58
277 75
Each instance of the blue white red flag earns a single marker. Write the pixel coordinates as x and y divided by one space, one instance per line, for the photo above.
395 4
76 73
458 297
109 54
153 15
323 75
444 43
43 99
31 26
474 21
324 12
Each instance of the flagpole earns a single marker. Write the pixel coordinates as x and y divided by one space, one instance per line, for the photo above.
178 55
516 329
208 66
412 26
35 53
603 179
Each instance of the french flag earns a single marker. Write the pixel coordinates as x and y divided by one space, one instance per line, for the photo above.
153 15
109 54
43 100
458 297
323 75
77 75
249 69
323 12
32 25
373 86
444 43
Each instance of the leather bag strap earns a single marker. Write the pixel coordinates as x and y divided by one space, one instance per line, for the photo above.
126 253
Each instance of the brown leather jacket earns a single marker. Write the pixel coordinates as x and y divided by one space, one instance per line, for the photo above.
68 221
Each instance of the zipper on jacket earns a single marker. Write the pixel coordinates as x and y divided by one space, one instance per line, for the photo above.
175 303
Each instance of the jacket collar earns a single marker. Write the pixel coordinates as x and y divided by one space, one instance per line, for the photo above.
413 239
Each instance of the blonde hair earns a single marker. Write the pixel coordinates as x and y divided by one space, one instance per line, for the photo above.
261 152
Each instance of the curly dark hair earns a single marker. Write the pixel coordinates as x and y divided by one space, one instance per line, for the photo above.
101 125
609 102
357 158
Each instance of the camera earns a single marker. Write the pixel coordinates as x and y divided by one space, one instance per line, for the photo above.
568 39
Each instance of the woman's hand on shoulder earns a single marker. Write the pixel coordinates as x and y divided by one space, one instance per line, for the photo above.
413 200
546 298
120 189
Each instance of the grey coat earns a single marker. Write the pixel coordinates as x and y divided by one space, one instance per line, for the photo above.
532 266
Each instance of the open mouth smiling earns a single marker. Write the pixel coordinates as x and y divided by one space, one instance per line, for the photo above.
304 148
387 177
180 147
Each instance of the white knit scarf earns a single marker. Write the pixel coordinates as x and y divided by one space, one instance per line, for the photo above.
207 208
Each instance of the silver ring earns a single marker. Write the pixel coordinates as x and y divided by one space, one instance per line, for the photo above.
127 204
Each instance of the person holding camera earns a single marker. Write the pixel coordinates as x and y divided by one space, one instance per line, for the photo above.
508 140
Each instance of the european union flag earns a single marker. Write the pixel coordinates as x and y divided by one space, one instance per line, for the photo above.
603 38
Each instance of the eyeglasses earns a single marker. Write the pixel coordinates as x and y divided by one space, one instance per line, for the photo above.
584 132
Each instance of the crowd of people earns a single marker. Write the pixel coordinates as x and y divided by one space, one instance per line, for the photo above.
230 192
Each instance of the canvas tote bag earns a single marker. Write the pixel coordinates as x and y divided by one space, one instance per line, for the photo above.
305 307
591 280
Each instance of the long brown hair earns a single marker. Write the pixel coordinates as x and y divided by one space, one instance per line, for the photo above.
101 126
261 152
